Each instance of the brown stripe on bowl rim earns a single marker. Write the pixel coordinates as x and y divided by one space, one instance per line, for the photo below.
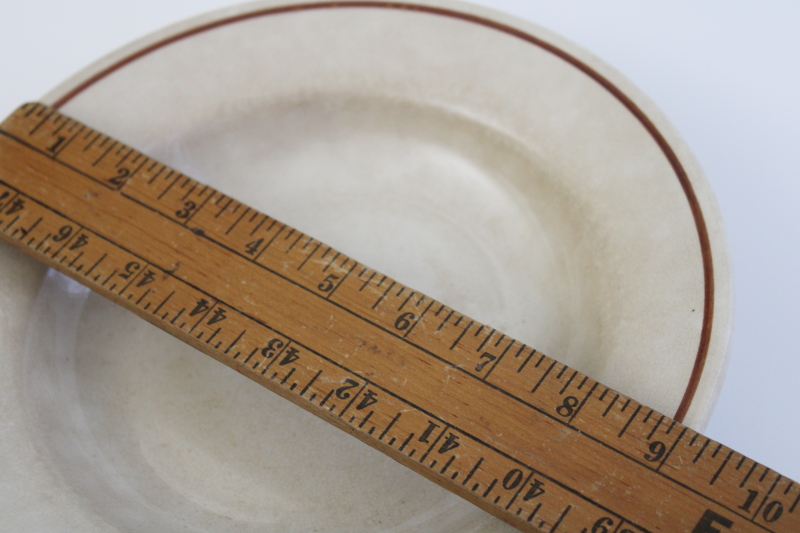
644 120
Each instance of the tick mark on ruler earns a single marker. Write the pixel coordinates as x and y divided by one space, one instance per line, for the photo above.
310 383
462 333
445 320
327 397
533 514
472 472
250 356
288 375
697 457
569 381
541 379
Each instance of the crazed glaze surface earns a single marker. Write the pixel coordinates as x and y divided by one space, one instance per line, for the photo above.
465 162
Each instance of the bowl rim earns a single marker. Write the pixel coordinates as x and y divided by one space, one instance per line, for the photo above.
516 28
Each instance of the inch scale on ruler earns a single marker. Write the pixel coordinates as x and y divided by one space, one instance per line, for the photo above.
526 438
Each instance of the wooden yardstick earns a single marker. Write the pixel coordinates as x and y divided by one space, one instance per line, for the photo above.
526 438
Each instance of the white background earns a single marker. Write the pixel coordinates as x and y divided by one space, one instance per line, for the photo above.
726 73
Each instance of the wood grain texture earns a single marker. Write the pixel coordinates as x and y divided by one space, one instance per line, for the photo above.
524 437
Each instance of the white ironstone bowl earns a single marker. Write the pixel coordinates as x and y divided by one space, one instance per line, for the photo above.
473 156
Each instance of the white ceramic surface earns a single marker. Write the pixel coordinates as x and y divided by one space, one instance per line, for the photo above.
477 158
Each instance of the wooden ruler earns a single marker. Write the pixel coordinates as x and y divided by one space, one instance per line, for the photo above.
524 437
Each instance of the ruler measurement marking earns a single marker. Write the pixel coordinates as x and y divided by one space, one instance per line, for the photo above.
197 209
533 514
14 222
585 399
741 462
366 419
289 374
525 362
721 468
255 229
171 183
482 344
331 261
419 318
347 274
405 442
472 472
447 464
434 443
132 277
697 457
766 496
794 505
191 189
502 355
165 300
489 488
157 174
611 405
471 322
309 255
568 383
367 282
541 379
264 249
383 295
388 427
208 340
560 519
66 241
45 119
237 221
223 208
655 427
66 143
327 397
250 356
628 423
353 399
125 157
104 154
74 259
236 340
308 385
516 494
410 295
445 320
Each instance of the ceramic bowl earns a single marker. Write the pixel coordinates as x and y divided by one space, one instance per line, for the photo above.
478 158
